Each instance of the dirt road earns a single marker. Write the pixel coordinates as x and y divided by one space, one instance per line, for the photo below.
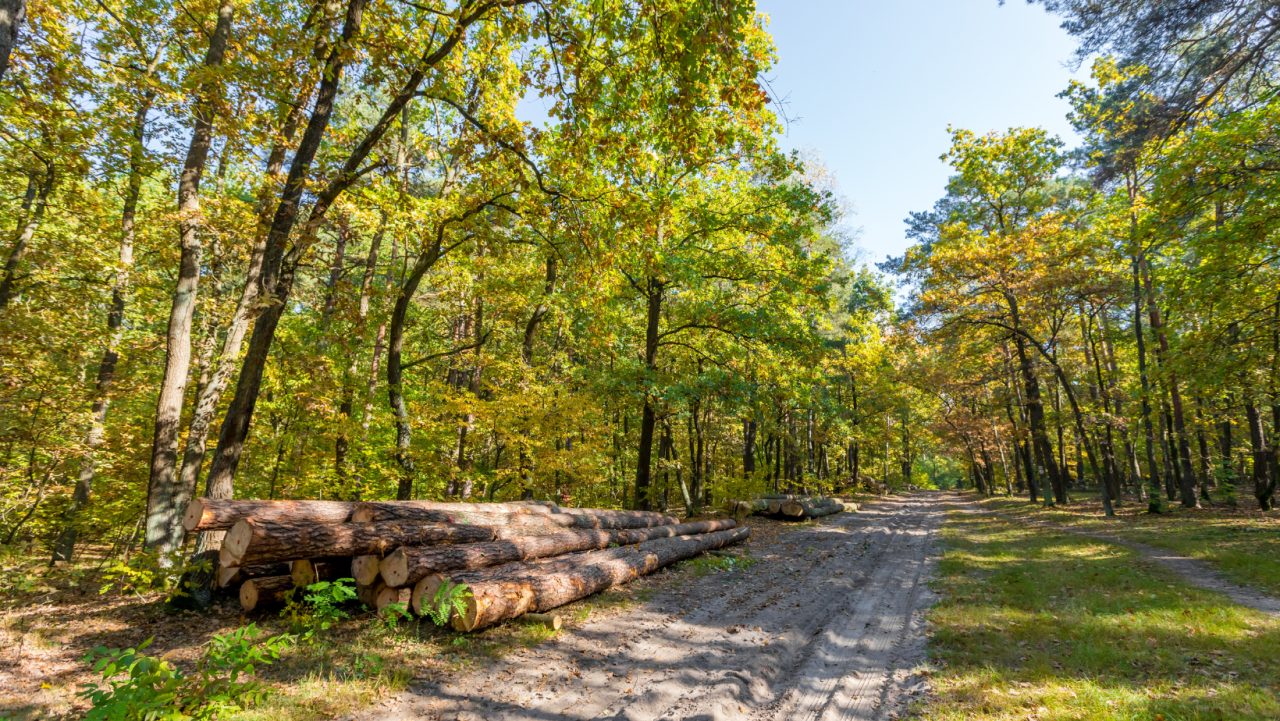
828 624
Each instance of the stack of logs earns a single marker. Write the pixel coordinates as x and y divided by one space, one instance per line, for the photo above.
515 558
794 507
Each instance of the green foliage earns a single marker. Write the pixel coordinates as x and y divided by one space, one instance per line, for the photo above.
450 598
316 610
703 565
154 690
145 571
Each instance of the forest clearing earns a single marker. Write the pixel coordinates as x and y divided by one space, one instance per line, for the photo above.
510 359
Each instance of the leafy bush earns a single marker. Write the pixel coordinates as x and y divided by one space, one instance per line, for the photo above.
148 570
320 607
154 690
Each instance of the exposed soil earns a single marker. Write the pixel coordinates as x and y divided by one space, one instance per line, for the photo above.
828 624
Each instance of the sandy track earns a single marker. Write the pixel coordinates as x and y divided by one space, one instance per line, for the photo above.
827 625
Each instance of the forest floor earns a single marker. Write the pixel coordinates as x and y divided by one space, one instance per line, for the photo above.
812 616
827 619
827 623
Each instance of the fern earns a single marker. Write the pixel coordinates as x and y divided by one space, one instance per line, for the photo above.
449 598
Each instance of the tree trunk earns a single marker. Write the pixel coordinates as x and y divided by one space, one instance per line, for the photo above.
1155 502
277 270
1187 474
12 13
163 492
33 205
547 588
1264 485
648 420
1039 433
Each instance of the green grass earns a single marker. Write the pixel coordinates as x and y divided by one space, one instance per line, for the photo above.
1244 545
1039 624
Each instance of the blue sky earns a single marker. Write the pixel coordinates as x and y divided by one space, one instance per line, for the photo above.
875 85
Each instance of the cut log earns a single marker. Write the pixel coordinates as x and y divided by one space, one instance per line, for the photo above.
206 514
796 509
792 508
775 506
454 507
308 571
364 569
408 565
253 540
546 620
640 535
521 524
236 575
547 588
367 593
386 595
652 518
264 592
389 511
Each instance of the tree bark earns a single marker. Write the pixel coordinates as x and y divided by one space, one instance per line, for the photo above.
12 13
253 541
209 514
163 493
407 565
648 420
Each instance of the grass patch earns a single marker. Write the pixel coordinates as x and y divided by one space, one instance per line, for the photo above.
1243 545
703 565
1038 624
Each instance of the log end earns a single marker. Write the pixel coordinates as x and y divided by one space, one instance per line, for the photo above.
227 576
227 559
424 593
365 569
194 514
236 542
362 514
387 596
248 595
470 619
394 569
552 621
303 572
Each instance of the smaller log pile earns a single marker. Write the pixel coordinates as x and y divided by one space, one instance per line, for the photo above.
516 558
795 507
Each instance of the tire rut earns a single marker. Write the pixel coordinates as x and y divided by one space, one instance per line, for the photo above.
826 625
